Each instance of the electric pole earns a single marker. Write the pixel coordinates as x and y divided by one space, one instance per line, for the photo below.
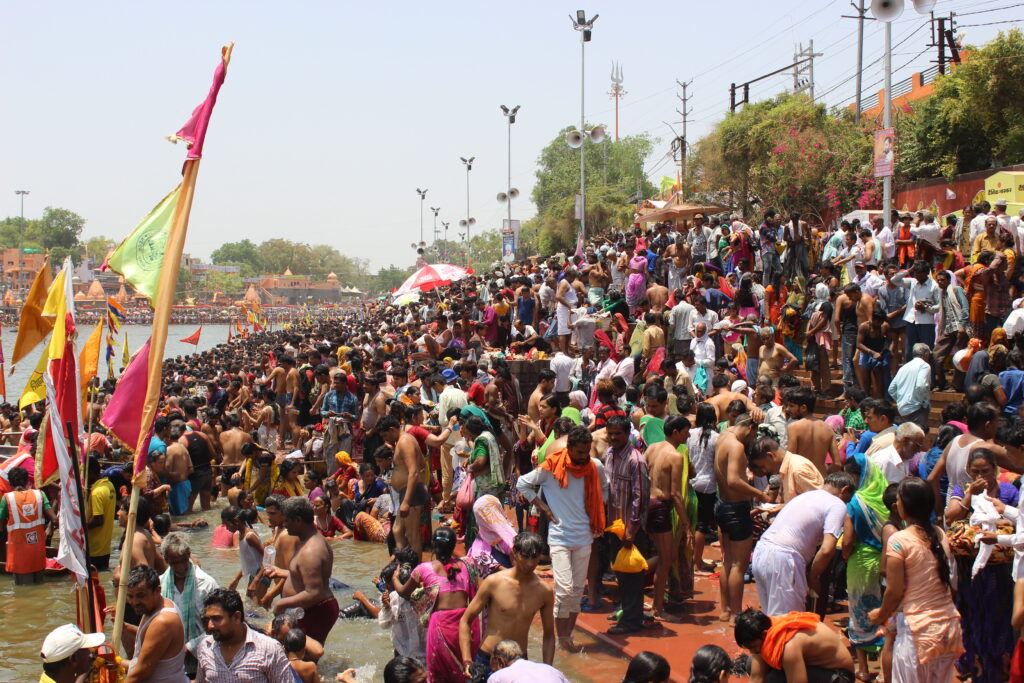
685 99
803 69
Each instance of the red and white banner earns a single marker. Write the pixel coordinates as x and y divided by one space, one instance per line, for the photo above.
71 553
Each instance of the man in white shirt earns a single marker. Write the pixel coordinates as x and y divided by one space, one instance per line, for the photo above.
978 222
509 667
929 230
893 459
868 280
680 323
804 532
562 366
884 235
922 303
703 314
703 348
452 398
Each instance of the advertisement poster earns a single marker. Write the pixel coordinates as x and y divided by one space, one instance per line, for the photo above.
508 246
885 158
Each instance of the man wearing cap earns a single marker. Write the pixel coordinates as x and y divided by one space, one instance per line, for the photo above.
67 653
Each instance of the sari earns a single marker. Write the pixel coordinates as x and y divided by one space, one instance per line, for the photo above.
492 483
863 581
444 654
492 549
636 285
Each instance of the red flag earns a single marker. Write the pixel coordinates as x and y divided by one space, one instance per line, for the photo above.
194 337
229 334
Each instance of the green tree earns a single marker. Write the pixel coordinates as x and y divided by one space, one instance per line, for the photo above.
390 278
57 228
237 253
229 284
98 247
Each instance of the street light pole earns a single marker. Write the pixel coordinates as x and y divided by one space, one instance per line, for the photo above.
436 211
585 27
468 222
21 226
445 224
423 197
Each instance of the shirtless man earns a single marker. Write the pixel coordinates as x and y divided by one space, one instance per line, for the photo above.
178 465
307 578
231 441
144 554
408 494
289 402
657 295
597 279
374 407
774 359
545 386
810 653
807 435
160 637
512 598
732 511
677 255
722 397
262 588
665 463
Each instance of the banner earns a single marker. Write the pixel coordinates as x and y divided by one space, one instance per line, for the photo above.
509 239
71 552
885 152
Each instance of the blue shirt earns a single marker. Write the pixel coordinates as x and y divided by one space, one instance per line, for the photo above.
911 387
862 445
339 404
1013 384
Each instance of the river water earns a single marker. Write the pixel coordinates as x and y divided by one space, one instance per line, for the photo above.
28 613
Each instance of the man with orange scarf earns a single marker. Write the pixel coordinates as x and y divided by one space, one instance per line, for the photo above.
573 500
792 647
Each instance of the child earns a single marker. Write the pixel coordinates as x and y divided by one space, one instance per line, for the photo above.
892 525
295 650
250 547
408 637
223 537
851 414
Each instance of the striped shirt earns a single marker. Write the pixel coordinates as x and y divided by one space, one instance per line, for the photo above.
261 659
629 487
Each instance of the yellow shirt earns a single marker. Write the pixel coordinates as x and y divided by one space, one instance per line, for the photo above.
654 339
984 243
102 501
501 309
799 475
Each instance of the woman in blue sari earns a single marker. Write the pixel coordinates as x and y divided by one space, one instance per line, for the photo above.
862 548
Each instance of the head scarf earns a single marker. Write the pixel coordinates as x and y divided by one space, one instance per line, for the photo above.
820 295
493 528
836 422
998 337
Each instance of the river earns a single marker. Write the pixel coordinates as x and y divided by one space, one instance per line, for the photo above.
28 613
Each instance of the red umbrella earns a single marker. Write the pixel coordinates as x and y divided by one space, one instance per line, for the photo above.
430 276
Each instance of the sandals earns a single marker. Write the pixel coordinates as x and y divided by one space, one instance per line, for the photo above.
585 605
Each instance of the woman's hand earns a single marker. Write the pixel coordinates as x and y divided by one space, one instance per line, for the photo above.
989 537
978 486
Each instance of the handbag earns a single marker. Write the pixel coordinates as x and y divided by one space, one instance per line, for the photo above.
464 498
811 355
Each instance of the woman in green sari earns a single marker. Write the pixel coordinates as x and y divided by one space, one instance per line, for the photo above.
485 464
862 548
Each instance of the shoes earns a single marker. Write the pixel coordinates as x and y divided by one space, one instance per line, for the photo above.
585 605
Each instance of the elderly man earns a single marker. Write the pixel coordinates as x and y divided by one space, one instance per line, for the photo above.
987 240
703 347
805 532
510 666
187 586
892 460
911 387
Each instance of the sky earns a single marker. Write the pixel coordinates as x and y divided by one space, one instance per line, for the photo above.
334 113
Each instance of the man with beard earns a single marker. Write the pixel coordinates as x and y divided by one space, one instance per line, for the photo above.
232 647
160 635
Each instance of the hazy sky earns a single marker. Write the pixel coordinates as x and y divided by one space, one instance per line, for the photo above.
333 113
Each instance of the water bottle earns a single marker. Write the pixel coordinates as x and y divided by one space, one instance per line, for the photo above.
269 556
296 613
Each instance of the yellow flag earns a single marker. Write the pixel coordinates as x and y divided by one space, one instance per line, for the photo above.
89 358
35 390
126 355
57 307
32 326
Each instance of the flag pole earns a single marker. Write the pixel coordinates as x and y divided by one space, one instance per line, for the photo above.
162 303
88 625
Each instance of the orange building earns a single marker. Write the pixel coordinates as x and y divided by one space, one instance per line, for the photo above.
19 268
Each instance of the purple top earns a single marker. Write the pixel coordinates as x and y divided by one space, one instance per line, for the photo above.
1008 493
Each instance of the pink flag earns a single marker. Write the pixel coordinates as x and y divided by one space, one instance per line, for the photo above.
193 133
123 415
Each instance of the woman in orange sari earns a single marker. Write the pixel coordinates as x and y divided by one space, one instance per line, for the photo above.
975 288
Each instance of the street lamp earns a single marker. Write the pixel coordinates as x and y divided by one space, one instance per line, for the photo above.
445 224
576 138
511 192
436 211
423 196
468 222
886 11
21 230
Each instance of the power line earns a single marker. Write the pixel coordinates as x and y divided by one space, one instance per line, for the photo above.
992 23
993 9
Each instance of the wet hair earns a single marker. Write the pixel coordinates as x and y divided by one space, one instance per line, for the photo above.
918 503
161 523
978 414
144 575
298 507
675 423
142 512
579 435
294 640
840 481
228 600
647 667
402 670
761 447
801 396
271 501
711 661
529 544
751 625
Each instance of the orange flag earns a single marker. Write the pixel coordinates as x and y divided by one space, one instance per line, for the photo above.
32 326
89 358
192 338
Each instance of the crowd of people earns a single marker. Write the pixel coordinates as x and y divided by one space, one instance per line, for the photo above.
615 413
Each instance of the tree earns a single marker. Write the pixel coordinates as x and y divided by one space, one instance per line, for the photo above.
57 228
973 119
98 247
237 253
229 284
390 278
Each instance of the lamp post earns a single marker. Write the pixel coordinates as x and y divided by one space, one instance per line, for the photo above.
423 197
468 222
585 27
511 192
445 224
436 211
21 226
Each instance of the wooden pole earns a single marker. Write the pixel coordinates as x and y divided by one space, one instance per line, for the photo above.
87 624
126 565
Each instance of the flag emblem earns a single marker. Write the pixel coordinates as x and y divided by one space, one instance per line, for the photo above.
149 250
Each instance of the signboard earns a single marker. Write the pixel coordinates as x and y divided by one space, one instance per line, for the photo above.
509 239
1008 185
885 152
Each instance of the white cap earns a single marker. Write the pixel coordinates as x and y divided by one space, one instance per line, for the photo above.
66 640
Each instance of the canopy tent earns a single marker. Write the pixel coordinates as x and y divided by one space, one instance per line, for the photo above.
676 210
430 276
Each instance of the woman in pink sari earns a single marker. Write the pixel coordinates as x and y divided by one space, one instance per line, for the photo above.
448 586
636 285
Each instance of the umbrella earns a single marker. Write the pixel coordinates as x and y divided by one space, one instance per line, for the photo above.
407 298
430 276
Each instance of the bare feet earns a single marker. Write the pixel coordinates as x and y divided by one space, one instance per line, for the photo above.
569 645
725 616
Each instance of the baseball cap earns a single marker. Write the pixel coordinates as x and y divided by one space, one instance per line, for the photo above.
66 640
858 263
449 375
698 215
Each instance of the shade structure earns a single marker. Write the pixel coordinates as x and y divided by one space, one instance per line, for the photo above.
407 298
430 276
672 212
